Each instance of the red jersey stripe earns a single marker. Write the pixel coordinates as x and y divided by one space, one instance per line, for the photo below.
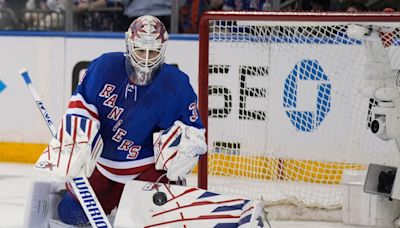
79 104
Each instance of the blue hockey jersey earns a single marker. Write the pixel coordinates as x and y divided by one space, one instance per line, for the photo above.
129 114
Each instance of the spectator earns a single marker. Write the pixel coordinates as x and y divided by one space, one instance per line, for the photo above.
53 5
353 6
190 12
44 14
243 5
56 5
7 16
136 8
316 5
388 10
216 4
84 5
383 4
96 15
189 15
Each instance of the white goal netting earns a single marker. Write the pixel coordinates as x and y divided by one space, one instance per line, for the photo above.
291 104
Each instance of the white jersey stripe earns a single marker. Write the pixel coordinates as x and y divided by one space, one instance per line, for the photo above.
125 164
82 112
79 97
117 178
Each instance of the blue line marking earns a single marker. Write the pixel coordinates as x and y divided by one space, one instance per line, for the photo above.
2 86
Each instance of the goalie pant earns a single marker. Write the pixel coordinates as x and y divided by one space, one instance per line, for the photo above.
107 191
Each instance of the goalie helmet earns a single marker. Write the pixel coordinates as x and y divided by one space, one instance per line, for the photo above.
146 41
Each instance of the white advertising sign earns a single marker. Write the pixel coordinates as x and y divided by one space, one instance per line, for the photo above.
51 62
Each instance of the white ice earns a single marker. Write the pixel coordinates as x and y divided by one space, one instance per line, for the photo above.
15 179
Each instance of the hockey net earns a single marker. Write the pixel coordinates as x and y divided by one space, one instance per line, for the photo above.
286 96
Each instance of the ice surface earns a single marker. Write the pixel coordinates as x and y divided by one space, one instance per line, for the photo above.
15 179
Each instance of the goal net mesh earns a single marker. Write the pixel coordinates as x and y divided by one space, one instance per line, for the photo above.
289 109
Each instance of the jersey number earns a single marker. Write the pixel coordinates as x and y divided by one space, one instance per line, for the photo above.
195 114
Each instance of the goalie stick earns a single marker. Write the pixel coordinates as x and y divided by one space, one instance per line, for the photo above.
80 185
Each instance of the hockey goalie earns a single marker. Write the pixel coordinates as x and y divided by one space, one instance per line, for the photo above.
154 204
106 136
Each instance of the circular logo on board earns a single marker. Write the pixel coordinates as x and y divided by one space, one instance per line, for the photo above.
307 95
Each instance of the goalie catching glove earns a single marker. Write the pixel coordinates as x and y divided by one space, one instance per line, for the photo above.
74 149
177 149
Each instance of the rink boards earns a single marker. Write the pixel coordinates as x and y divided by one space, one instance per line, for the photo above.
55 61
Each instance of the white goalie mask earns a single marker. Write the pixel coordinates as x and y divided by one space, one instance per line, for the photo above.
146 41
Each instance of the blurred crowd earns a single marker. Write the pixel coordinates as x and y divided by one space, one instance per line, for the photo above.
181 15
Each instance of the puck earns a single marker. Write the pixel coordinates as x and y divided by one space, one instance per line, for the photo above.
159 198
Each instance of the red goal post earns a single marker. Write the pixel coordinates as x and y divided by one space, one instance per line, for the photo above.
307 22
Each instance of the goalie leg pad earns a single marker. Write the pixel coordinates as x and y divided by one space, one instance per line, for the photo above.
41 203
253 215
